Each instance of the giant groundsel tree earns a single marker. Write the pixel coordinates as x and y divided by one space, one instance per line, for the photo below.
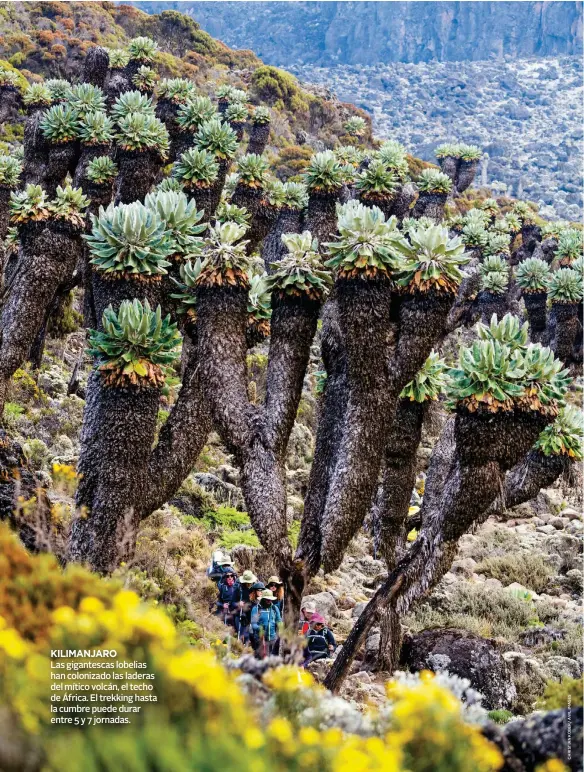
184 273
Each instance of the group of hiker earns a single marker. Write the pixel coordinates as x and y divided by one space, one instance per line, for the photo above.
256 610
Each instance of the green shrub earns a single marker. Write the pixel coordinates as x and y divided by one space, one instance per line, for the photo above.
532 571
500 716
277 88
558 696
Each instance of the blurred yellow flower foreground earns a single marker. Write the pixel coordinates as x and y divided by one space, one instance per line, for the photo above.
201 720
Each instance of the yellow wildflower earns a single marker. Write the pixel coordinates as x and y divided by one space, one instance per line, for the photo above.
12 644
91 605
253 738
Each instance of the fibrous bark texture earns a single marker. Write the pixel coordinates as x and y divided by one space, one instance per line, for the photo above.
256 435
107 292
95 66
465 174
448 164
465 478
258 138
118 432
328 437
430 205
364 319
535 305
47 260
489 303
137 172
273 249
563 329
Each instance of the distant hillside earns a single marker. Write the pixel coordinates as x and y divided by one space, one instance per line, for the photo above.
51 39
328 33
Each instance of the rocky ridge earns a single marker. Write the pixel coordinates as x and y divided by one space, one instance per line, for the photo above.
329 33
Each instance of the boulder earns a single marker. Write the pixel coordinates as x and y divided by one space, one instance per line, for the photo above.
325 604
466 655
543 736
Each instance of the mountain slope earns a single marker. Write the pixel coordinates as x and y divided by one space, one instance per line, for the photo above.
51 39
326 33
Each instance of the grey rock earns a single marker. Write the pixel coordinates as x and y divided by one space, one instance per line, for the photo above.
544 736
325 604
469 656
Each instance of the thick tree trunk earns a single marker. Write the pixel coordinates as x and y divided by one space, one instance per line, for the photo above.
87 154
430 205
62 160
53 313
10 102
535 305
321 216
217 187
258 138
112 292
258 436
293 326
489 303
386 204
181 439
253 200
402 204
180 142
273 249
465 174
364 316
204 198
391 511
328 438
534 472
448 166
398 480
486 446
563 329
4 223
95 66
116 84
48 259
118 431
530 235
36 151
390 641
137 173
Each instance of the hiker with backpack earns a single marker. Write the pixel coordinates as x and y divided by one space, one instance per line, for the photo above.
307 611
276 585
220 564
320 642
268 625
242 602
226 603
253 630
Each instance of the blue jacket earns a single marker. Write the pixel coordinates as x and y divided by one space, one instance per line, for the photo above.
268 621
227 594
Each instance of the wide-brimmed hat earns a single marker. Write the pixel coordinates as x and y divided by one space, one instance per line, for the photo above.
248 577
309 606
318 619
268 595
274 580
258 586
226 561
